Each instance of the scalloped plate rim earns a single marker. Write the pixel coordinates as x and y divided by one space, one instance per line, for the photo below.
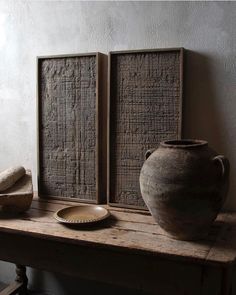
81 221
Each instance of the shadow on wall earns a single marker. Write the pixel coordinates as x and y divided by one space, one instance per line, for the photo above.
202 116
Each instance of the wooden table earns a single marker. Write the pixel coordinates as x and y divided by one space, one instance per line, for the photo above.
128 249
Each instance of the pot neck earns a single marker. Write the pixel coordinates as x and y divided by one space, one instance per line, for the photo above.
184 143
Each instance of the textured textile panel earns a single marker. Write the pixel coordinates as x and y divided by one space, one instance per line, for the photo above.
67 127
145 108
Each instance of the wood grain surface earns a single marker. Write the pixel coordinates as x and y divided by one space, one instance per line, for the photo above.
145 108
126 230
128 249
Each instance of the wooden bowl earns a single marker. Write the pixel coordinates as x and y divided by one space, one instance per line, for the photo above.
81 214
19 197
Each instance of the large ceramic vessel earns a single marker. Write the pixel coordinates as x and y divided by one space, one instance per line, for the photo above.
184 184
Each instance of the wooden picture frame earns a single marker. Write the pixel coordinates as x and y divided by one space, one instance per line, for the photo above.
80 78
135 75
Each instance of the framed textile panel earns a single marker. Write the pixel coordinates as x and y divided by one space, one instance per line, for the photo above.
144 108
71 99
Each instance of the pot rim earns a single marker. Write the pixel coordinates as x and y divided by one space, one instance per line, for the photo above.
183 143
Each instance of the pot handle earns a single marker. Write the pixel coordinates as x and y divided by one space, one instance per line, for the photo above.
148 153
225 165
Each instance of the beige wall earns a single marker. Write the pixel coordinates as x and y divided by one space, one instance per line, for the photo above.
206 29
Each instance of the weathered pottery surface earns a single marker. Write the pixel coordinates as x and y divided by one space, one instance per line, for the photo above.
81 214
18 198
184 184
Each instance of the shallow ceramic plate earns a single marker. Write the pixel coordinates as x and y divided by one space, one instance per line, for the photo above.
81 214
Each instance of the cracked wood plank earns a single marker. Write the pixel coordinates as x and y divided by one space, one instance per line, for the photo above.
124 231
131 249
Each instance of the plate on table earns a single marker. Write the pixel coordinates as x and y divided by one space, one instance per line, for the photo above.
83 214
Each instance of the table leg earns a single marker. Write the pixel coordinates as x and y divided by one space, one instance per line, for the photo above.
227 281
21 278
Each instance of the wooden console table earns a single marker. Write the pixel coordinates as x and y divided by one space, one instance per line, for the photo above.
128 249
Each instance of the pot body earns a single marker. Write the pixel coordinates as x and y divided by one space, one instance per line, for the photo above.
184 185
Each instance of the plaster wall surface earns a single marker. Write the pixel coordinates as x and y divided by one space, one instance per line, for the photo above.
32 28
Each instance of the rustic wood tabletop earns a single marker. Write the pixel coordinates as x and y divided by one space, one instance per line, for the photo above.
127 230
127 249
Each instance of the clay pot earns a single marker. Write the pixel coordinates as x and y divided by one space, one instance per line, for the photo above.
184 184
